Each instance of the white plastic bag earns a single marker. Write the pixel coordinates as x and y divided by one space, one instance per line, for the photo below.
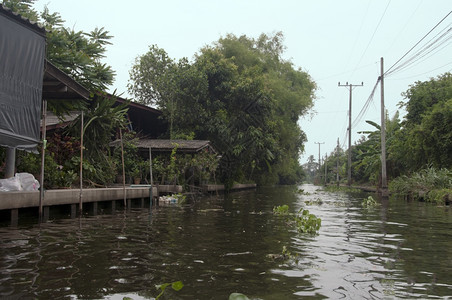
27 182
10 184
20 182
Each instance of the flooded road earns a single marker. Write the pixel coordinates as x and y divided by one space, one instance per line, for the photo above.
218 245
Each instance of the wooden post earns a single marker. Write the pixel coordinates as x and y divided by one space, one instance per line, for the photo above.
123 167
43 151
45 213
14 217
80 205
150 166
95 208
73 211
152 179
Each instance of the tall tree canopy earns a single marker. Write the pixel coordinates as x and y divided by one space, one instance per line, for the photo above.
241 94
426 134
77 53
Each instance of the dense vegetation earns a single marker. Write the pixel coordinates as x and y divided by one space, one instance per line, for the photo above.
419 146
79 54
241 95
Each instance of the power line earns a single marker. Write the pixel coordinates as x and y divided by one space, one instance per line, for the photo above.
350 88
414 76
375 31
357 37
366 105
433 45
389 70
345 72
404 26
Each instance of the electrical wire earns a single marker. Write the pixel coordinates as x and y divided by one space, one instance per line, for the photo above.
417 75
434 45
345 72
404 26
389 70
357 37
366 105
375 31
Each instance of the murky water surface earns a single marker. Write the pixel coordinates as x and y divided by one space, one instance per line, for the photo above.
220 245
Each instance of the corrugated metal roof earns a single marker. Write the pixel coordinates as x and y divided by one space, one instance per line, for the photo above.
53 120
22 20
57 85
191 146
170 144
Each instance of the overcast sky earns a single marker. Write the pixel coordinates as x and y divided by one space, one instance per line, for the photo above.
334 41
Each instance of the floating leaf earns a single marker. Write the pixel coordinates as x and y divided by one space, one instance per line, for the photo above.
238 296
178 285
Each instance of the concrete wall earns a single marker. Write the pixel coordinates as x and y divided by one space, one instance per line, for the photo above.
13 200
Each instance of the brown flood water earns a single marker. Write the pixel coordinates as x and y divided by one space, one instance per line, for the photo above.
217 245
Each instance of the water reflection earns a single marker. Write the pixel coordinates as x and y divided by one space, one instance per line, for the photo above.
219 245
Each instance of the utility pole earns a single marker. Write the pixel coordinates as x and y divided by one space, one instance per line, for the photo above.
326 167
350 88
319 155
337 163
384 181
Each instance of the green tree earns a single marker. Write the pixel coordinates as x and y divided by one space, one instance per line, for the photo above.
77 53
101 121
240 94
311 167
367 152
425 136
23 7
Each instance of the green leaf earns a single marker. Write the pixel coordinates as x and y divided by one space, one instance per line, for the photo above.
162 286
178 285
238 296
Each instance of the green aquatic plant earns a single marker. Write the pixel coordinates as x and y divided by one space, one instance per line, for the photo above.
306 222
284 256
281 210
303 221
177 286
344 189
369 202
430 184
439 196
238 296
317 201
302 192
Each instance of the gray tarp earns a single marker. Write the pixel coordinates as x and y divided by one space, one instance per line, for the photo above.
22 53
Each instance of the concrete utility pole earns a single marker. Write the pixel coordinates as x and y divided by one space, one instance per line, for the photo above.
319 151
337 163
350 88
326 168
384 181
319 156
